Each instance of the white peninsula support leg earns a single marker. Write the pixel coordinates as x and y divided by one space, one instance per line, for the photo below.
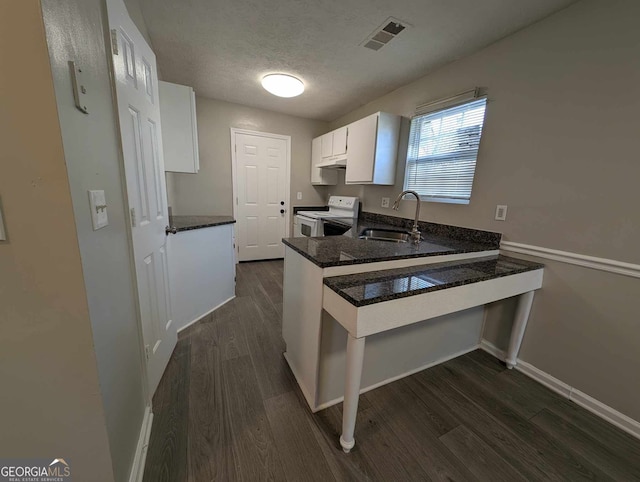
525 301
355 357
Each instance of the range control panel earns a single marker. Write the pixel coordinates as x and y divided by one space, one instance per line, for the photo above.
343 202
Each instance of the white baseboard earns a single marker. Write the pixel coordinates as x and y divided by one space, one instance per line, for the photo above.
204 314
137 469
335 401
596 407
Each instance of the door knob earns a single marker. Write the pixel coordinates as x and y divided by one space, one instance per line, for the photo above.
281 203
170 230
282 211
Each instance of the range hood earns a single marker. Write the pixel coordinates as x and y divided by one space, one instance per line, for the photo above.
334 163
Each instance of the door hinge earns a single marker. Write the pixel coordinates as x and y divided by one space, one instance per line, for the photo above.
236 200
114 41
146 352
133 217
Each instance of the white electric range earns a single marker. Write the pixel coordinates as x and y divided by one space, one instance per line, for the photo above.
341 216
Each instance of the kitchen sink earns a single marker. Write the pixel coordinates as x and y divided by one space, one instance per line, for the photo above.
391 235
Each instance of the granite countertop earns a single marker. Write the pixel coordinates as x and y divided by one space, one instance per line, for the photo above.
347 249
377 286
188 223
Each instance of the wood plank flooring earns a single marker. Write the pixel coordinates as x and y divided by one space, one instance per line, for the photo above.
228 408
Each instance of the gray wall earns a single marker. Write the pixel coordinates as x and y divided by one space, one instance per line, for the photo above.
50 398
75 30
560 149
135 12
210 191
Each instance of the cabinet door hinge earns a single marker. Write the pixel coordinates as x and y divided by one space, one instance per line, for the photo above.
133 217
114 41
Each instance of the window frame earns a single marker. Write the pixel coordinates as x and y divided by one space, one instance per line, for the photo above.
436 107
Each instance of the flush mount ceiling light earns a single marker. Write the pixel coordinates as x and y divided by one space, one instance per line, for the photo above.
282 85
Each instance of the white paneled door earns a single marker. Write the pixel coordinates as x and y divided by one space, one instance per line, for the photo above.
261 194
136 81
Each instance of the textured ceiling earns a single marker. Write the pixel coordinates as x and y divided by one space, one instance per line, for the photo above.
223 48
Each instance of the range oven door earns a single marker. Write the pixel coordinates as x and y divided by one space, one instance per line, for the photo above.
307 227
334 227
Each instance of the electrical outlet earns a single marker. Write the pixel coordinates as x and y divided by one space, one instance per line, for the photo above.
385 202
299 195
501 212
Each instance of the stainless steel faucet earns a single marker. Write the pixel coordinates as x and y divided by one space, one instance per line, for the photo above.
415 233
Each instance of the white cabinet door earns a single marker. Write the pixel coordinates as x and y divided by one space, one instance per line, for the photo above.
334 143
179 128
327 144
373 149
362 150
319 176
339 146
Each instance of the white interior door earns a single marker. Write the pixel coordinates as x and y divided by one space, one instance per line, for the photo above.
139 115
261 195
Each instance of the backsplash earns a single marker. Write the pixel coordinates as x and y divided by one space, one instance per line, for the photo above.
443 230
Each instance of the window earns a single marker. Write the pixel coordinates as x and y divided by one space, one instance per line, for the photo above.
443 148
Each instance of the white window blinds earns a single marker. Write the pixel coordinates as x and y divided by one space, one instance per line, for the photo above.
443 147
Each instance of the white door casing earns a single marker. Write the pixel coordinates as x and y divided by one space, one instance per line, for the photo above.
136 82
261 165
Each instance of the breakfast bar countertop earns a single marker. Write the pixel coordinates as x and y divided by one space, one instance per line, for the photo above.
374 287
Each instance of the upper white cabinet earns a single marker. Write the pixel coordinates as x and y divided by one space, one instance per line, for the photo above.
179 128
334 143
321 177
373 149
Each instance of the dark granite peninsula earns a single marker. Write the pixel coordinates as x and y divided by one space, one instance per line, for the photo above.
316 342
187 223
438 240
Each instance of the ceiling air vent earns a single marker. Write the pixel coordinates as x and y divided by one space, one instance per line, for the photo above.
384 34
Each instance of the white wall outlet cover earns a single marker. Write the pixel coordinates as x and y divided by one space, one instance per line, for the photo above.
98 206
501 212
299 195
385 202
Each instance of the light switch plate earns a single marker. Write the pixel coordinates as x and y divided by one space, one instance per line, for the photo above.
98 206
3 234
501 212
299 195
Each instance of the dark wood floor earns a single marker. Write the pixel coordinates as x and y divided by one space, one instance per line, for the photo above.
228 408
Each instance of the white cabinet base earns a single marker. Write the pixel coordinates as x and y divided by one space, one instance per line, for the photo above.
202 271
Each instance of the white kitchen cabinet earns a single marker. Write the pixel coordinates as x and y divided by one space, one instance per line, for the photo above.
373 149
334 143
202 269
179 128
321 177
